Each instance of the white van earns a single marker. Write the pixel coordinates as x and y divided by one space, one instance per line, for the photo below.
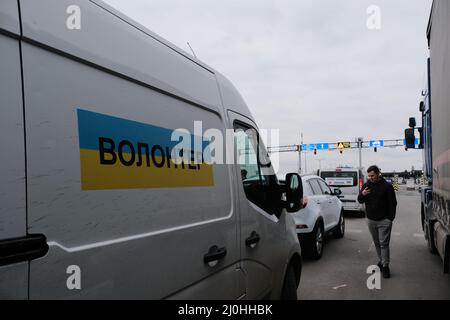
350 181
92 206
410 184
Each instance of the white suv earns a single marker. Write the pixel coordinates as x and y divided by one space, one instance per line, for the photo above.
322 212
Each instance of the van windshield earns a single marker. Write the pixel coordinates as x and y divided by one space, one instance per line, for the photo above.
340 178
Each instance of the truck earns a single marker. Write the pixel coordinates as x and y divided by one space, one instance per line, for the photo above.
434 134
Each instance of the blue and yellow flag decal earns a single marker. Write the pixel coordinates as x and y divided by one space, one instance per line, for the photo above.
117 153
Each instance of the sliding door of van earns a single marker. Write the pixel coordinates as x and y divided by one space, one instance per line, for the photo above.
13 268
122 219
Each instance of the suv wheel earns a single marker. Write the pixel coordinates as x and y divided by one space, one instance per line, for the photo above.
339 230
317 238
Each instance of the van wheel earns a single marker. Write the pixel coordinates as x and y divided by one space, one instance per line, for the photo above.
339 230
362 214
289 291
316 243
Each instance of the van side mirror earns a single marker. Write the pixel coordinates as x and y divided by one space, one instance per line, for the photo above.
294 192
409 138
337 192
412 122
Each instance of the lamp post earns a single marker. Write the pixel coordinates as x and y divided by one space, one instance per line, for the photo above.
320 163
360 141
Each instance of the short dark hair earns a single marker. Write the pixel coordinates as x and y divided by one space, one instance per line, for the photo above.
374 169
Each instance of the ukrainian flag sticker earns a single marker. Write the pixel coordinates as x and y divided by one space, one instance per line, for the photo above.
117 153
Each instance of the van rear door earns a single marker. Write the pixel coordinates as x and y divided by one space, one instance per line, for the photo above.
13 269
347 181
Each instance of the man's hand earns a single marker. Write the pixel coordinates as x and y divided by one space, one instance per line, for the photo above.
366 191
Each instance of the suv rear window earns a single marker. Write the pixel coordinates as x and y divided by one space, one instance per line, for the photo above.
340 178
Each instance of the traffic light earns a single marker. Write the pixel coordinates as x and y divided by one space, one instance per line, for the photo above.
315 151
410 139
375 149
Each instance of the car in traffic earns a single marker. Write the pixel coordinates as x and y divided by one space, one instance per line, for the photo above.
349 181
322 213
410 184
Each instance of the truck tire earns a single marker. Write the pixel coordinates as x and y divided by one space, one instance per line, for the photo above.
289 291
429 235
422 217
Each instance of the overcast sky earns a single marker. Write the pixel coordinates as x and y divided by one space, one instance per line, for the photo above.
310 66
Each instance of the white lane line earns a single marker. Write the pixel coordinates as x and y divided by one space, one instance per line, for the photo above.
341 286
419 235
353 230
360 231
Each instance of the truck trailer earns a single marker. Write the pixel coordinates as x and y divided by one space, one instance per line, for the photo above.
434 135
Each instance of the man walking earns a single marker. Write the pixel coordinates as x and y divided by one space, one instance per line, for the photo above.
381 204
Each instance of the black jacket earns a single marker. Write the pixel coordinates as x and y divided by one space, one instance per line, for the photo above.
380 202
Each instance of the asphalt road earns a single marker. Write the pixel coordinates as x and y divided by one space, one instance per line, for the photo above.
342 271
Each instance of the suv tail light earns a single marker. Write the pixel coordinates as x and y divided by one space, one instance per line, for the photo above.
360 184
305 201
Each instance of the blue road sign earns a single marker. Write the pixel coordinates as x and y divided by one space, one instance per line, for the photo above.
376 143
322 146
317 146
309 146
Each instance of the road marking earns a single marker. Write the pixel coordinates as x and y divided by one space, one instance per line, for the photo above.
341 286
353 230
360 231
419 235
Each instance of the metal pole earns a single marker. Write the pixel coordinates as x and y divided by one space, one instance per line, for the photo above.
300 159
306 168
360 140
300 154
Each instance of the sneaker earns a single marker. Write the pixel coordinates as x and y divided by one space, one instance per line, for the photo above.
380 266
386 272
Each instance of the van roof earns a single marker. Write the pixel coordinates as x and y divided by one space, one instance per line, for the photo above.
131 51
150 33
229 95
341 169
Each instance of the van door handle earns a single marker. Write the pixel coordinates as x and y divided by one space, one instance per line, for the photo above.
26 248
214 255
253 239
